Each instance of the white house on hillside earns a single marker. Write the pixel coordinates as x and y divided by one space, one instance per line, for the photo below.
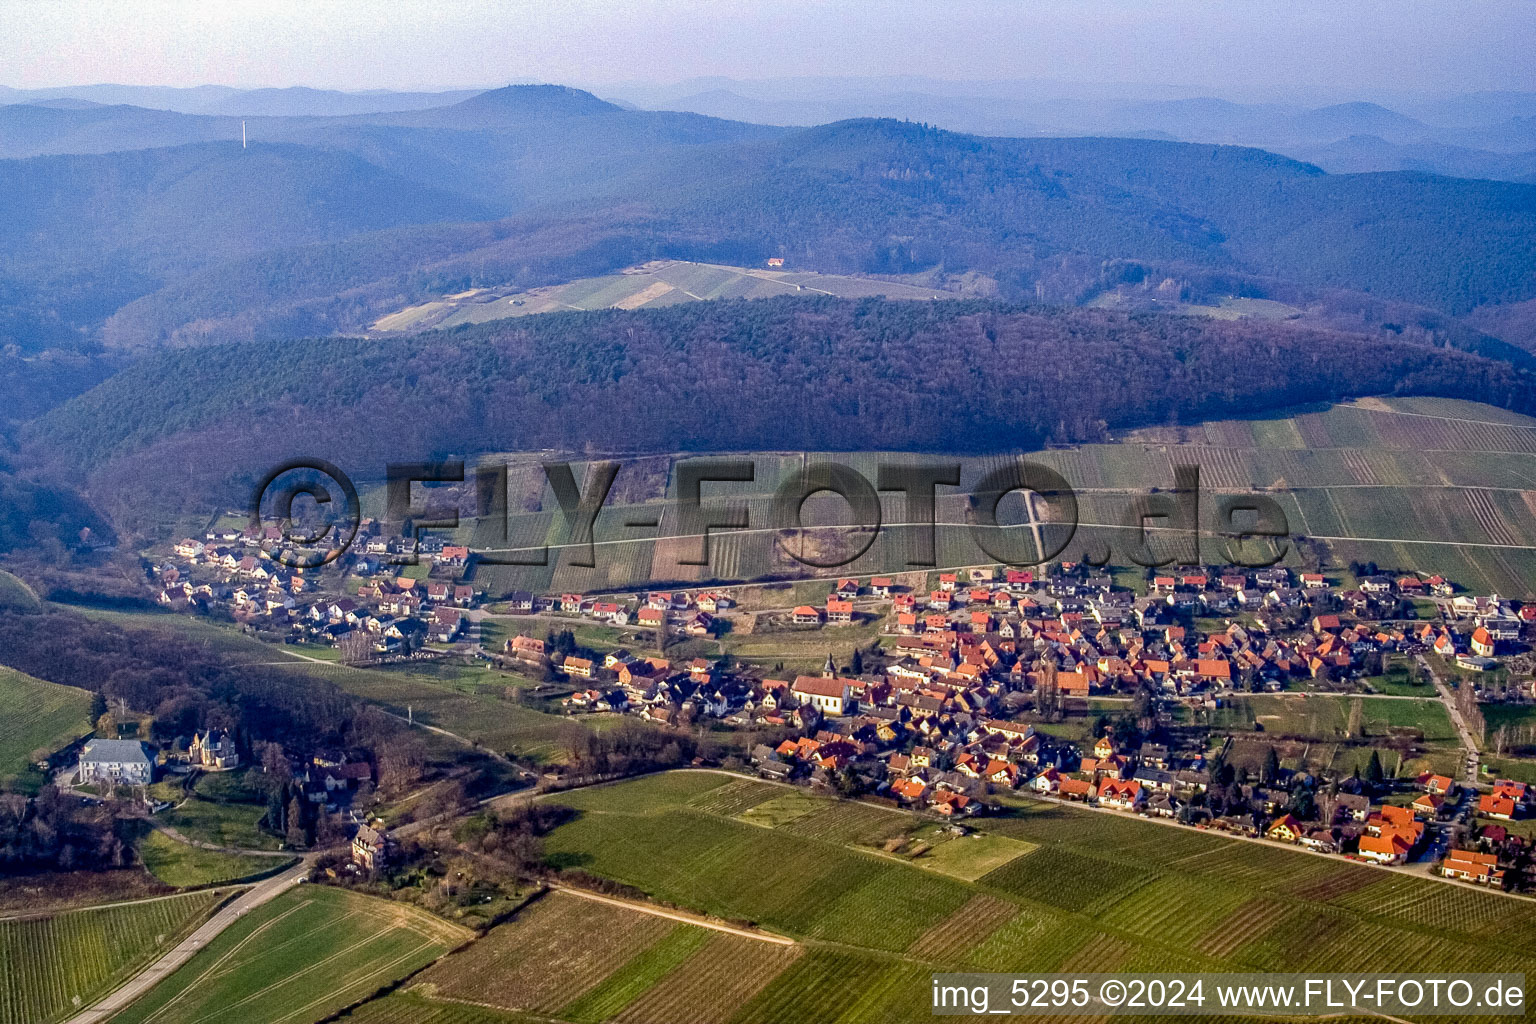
125 762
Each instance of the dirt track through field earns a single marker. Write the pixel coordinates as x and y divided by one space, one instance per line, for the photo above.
677 915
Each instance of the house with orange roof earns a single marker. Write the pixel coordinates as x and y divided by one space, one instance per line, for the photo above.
1441 784
1075 789
1389 816
1491 805
949 804
1470 866
1515 791
1002 773
1123 795
1286 829
1387 848
1072 684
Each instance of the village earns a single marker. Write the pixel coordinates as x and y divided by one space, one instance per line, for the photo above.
954 707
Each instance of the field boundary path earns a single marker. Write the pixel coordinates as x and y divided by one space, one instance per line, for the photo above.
175 836
674 915
256 895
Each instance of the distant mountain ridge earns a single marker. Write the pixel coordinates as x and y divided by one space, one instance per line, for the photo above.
533 185
219 99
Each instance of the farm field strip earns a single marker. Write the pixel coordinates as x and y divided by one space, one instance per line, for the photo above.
973 922
413 1008
712 984
60 962
1243 924
1173 910
847 824
39 716
307 953
1070 881
780 810
532 963
637 976
735 798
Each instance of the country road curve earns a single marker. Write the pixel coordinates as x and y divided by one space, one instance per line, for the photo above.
134 987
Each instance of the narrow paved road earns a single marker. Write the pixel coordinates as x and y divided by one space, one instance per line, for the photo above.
1468 742
255 896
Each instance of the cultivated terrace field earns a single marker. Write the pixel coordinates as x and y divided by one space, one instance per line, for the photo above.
57 964
878 899
305 955
39 717
649 285
1431 485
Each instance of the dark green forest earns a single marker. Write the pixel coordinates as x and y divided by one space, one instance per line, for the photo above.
189 427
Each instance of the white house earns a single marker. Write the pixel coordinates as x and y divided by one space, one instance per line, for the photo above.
125 762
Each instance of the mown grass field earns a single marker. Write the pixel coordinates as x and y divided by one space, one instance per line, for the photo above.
223 824
1327 716
1081 891
14 593
185 866
57 964
308 953
39 716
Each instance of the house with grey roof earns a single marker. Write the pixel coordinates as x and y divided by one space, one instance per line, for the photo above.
124 762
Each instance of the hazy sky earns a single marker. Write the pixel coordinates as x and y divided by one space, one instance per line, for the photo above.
1231 46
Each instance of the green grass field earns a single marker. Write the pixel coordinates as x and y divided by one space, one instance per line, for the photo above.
1327 716
185 866
57 964
14 593
306 954
1052 889
1509 716
39 716
970 857
223 824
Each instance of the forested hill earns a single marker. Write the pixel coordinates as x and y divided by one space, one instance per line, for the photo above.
319 225
184 429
